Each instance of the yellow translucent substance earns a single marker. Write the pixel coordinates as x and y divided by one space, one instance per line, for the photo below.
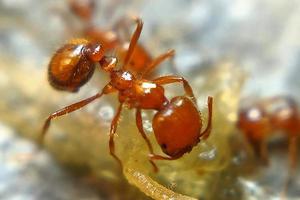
80 139
194 173
151 187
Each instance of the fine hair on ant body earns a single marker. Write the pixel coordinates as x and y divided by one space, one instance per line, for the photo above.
177 122
259 121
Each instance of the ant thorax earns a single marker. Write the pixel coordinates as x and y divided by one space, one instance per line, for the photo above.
138 93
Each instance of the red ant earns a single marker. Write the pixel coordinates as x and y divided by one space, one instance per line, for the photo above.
176 124
110 40
260 120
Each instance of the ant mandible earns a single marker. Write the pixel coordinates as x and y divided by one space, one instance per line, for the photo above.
176 124
259 120
110 39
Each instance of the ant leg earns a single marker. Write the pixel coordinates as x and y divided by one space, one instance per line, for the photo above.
112 133
135 37
263 152
157 61
293 152
175 79
293 162
71 108
84 9
207 131
139 123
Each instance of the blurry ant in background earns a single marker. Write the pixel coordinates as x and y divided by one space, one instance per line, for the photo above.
264 118
112 40
177 122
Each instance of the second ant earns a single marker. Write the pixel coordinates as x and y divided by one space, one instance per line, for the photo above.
113 40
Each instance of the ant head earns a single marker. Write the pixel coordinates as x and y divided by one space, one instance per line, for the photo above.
94 51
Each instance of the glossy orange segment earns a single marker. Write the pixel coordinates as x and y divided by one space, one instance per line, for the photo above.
177 126
70 68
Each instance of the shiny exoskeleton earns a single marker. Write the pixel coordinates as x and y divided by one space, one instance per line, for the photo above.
177 123
262 119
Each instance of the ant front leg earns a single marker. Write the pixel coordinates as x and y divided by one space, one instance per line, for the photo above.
113 129
139 123
71 108
175 79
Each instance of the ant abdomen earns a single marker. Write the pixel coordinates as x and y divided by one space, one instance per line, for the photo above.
177 126
71 67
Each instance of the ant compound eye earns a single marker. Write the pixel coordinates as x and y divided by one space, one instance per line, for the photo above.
94 51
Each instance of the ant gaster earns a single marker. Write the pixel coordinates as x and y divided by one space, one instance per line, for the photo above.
177 122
